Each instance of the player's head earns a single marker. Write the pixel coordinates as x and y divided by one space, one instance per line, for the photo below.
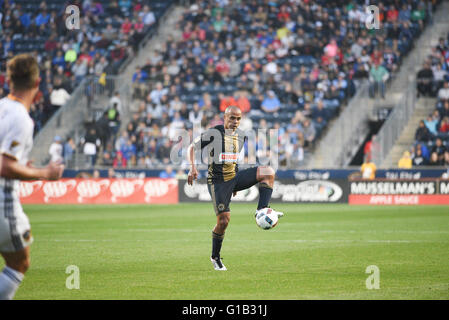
232 117
23 74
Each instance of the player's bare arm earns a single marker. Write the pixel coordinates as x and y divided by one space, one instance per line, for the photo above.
193 173
10 168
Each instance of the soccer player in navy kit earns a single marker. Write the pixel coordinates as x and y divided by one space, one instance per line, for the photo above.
225 142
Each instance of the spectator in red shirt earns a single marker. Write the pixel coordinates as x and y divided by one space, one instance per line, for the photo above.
444 127
126 26
200 34
226 102
242 102
392 14
139 25
283 14
51 43
222 67
187 33
119 160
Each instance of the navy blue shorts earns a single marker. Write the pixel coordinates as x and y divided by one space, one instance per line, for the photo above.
221 192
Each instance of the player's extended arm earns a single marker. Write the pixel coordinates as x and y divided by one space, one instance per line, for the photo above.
10 168
193 173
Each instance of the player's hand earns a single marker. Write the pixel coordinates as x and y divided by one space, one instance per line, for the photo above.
193 175
54 171
234 193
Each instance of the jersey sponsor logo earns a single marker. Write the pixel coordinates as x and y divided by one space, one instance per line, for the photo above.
228 157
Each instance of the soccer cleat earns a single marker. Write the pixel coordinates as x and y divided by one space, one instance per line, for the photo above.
218 265
280 214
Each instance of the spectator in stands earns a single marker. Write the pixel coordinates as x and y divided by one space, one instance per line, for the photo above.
309 132
56 150
90 145
68 150
424 80
271 103
116 100
446 159
139 79
422 133
157 93
439 149
378 76
163 152
406 161
226 101
196 115
418 158
147 15
104 130
432 124
444 126
119 161
443 93
368 169
434 160
59 95
167 173
444 112
440 75
114 118
242 101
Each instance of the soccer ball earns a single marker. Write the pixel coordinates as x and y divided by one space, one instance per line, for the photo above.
266 218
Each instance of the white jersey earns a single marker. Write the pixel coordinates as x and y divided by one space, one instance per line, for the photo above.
16 141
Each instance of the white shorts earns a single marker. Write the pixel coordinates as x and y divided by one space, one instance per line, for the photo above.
15 229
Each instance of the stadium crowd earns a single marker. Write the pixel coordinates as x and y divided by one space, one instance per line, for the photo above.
288 65
431 147
109 32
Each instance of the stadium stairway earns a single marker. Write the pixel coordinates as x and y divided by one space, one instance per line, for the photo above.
337 147
423 107
167 28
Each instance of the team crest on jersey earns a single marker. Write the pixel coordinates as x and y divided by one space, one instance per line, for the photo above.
27 235
14 144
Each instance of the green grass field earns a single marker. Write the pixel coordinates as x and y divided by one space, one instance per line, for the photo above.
162 252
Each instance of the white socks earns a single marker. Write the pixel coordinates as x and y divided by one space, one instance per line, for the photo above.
10 280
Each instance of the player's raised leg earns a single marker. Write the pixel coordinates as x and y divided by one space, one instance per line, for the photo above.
265 176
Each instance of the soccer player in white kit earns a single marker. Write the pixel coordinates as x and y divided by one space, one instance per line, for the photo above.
16 141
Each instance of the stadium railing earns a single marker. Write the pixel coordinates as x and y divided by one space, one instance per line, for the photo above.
395 123
341 142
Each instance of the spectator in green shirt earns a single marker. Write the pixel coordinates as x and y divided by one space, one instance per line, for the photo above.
378 75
